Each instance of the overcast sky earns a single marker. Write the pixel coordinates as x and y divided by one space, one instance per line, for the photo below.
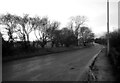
62 10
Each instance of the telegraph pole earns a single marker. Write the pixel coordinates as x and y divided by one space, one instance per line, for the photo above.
118 15
108 45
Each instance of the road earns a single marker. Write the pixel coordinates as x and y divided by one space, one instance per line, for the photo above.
65 66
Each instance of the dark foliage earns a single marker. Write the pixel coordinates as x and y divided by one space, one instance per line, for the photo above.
115 39
115 51
70 40
6 48
101 41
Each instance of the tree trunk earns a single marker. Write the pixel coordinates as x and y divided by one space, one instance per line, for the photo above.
27 35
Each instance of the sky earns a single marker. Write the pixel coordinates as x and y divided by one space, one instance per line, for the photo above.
119 14
62 10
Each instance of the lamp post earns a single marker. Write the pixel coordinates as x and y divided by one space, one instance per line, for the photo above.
108 46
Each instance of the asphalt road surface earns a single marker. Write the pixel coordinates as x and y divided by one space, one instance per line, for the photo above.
65 66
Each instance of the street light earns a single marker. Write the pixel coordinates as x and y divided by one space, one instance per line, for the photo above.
108 46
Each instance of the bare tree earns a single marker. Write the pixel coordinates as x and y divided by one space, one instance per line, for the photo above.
52 31
9 23
25 26
41 26
78 21
86 34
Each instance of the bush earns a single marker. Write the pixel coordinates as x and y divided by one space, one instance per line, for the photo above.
115 39
6 48
115 50
102 41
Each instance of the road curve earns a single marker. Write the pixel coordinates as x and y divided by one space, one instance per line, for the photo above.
65 66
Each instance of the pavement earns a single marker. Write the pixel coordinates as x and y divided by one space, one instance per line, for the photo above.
100 70
103 69
65 66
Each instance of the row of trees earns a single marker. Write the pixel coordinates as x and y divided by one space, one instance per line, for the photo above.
19 28
101 40
114 39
